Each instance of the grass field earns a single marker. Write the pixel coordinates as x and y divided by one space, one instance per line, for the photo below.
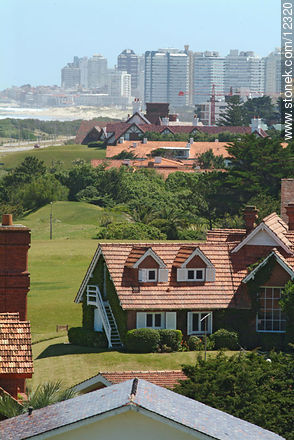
56 359
70 220
64 153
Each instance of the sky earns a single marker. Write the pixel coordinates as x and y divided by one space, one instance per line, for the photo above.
39 37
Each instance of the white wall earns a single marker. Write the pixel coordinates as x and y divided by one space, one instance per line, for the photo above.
127 426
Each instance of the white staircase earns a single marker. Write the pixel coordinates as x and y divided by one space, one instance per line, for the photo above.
94 299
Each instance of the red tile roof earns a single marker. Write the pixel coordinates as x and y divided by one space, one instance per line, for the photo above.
85 127
230 269
163 378
15 345
142 150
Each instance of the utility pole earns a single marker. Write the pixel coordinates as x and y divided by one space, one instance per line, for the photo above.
205 332
51 203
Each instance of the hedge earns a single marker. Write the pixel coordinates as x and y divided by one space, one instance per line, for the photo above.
88 338
170 340
142 340
223 338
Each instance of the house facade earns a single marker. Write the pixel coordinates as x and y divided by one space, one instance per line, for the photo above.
233 280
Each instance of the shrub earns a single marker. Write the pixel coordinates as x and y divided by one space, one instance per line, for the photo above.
170 339
142 340
223 338
194 343
88 338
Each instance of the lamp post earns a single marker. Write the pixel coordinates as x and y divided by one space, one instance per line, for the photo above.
205 332
51 203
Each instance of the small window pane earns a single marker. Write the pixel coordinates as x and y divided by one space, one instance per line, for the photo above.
199 274
157 320
195 322
149 320
151 275
191 274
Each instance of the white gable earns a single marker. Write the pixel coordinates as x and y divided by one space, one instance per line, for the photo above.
197 252
150 253
262 238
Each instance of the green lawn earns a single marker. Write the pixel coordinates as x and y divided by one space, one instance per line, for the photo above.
70 220
64 153
56 359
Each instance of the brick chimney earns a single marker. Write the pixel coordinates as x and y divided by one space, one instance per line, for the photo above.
290 215
287 196
250 216
14 275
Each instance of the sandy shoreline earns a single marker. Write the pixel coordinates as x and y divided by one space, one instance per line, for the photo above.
61 113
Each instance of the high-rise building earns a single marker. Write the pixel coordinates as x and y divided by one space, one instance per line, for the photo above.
208 71
119 83
97 72
83 65
167 77
244 74
128 61
70 75
272 73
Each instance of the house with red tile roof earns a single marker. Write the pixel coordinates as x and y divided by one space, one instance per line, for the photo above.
194 287
164 378
16 363
138 124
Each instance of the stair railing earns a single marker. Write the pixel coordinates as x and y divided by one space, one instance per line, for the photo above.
94 299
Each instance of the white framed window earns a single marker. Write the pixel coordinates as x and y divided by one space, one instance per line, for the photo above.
199 323
270 317
153 275
195 274
150 320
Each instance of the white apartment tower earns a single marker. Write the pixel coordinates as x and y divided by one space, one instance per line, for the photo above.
167 77
119 83
208 71
244 74
272 73
97 72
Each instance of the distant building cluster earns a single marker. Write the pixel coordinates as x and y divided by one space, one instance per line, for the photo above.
180 77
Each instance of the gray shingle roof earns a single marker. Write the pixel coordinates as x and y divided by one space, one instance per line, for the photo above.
174 407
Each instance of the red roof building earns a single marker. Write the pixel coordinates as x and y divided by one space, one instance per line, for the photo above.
194 287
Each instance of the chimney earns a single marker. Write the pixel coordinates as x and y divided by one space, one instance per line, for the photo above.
290 214
121 140
191 141
14 275
134 145
164 121
255 124
250 216
7 220
195 121
144 141
287 196
157 159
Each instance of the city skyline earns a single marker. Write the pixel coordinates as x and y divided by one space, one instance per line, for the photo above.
40 37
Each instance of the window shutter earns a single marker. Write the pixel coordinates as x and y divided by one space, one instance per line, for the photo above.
189 322
171 320
210 274
141 320
142 275
163 275
181 274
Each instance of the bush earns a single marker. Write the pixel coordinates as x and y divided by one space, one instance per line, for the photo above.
142 340
223 338
194 343
97 144
88 338
170 340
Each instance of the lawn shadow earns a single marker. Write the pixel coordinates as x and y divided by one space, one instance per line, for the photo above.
64 349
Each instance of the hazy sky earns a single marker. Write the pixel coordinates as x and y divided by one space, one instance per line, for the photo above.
38 37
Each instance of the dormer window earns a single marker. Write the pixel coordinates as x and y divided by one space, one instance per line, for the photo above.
195 274
151 268
196 267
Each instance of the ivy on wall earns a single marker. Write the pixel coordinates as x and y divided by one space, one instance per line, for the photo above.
260 278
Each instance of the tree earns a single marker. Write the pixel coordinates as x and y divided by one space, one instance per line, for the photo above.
257 166
30 167
44 395
247 386
208 160
261 107
234 113
41 191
